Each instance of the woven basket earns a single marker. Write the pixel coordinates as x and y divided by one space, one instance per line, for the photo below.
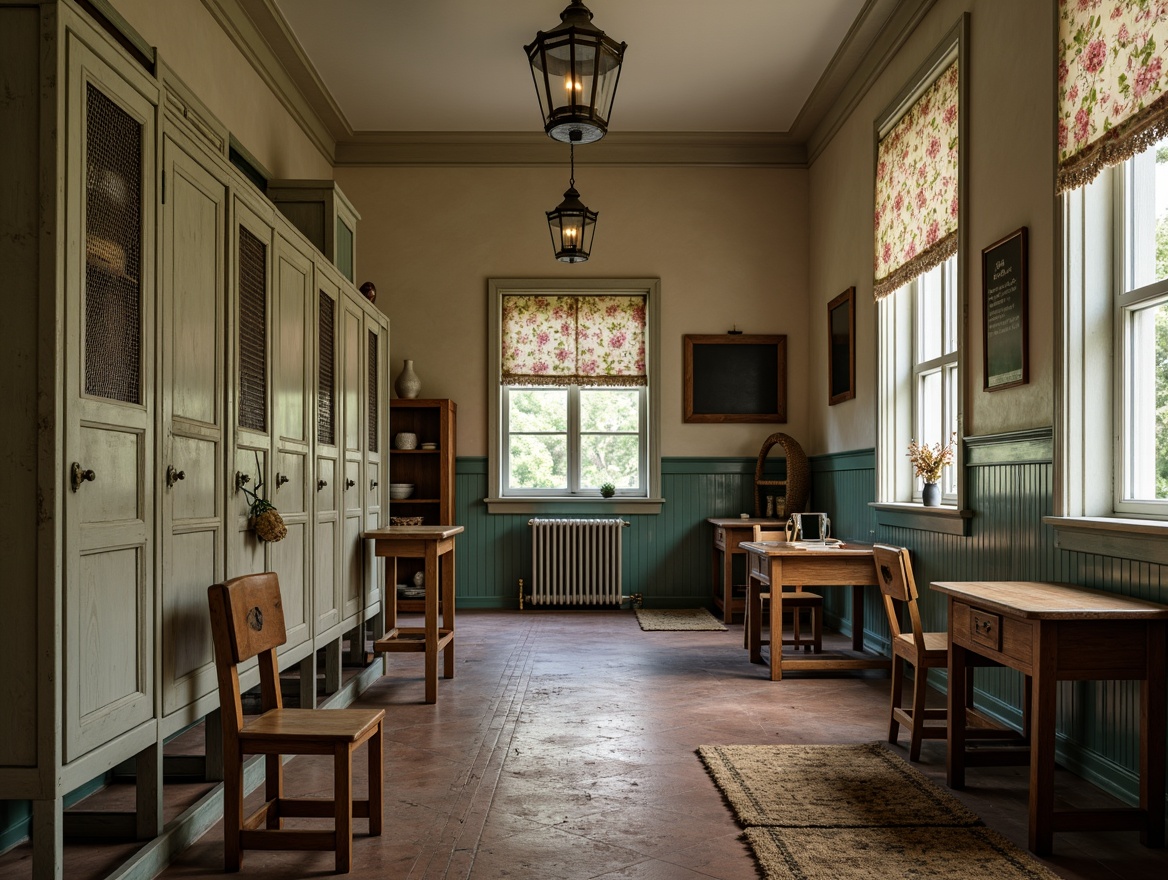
406 520
797 485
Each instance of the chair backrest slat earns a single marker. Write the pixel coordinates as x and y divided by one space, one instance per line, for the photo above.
255 615
247 620
894 573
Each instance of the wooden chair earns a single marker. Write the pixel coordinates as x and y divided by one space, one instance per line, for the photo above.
247 620
923 650
797 600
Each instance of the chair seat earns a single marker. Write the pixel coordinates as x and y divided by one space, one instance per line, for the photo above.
936 646
799 599
313 725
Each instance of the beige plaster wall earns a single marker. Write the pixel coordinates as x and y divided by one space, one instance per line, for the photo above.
730 246
191 41
1010 148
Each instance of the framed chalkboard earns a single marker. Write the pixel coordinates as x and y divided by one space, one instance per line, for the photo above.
1005 312
841 348
735 378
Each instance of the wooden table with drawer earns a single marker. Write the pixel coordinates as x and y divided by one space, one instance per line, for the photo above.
1053 633
729 533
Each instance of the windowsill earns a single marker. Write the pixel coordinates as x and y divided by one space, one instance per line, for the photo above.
1142 540
946 519
573 506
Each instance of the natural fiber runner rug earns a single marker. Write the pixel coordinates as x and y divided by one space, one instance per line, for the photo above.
677 619
885 853
829 787
856 813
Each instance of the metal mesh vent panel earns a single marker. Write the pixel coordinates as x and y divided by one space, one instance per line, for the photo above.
373 396
253 341
113 250
326 374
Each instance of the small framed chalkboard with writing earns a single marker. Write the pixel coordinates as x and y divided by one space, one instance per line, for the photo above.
735 378
1005 312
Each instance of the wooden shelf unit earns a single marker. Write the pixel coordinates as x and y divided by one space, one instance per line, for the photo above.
430 470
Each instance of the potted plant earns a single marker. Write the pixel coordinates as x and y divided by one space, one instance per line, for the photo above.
927 462
607 490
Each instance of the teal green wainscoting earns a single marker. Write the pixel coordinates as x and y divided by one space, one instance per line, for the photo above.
666 556
1009 488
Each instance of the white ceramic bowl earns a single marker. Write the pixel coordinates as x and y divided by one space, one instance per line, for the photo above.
400 491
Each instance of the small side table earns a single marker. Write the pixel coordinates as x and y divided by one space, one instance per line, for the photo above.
435 544
729 533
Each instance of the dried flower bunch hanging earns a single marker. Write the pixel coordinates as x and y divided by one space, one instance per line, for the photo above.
927 461
269 525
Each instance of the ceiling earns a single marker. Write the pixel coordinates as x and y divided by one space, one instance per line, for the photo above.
420 80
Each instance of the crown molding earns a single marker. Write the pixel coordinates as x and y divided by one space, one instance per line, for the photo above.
272 65
880 31
262 35
448 148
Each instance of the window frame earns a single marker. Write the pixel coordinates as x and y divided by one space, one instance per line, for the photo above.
645 500
1090 363
898 496
574 434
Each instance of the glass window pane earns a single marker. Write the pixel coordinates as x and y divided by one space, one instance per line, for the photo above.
609 458
538 461
929 428
950 274
537 409
1147 216
929 316
1147 403
610 409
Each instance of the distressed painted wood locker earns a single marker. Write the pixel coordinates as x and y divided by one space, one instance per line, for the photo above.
165 339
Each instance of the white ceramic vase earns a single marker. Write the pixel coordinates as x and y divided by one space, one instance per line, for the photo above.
407 385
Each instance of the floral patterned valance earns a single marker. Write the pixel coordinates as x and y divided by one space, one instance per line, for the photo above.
568 339
1111 80
916 187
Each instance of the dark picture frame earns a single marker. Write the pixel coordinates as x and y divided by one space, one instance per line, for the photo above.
735 378
841 347
1005 322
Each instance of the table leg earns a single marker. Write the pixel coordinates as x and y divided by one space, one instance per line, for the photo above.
431 623
955 757
857 617
448 609
1042 721
753 627
1153 720
390 593
727 585
776 619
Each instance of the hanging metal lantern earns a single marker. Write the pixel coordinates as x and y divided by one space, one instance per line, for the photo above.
572 225
575 68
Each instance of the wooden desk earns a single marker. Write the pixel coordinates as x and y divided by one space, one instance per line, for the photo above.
776 564
729 533
1054 633
435 544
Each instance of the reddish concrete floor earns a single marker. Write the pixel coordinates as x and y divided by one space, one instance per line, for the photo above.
565 748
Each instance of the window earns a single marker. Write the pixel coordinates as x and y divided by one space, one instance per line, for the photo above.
575 405
1141 322
1111 332
919 287
919 379
934 369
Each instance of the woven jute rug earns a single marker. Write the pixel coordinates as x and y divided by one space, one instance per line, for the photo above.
884 853
851 786
856 813
669 619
